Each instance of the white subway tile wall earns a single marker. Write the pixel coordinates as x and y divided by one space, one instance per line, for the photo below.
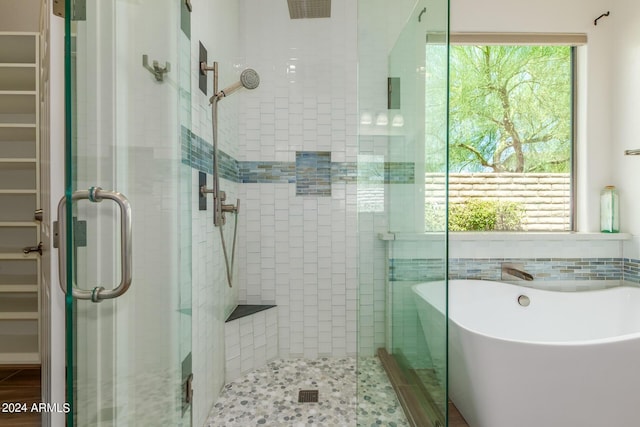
212 299
299 251
250 342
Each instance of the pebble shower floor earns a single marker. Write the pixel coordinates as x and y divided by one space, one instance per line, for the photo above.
269 396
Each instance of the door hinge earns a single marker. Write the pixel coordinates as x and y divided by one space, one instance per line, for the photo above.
78 9
79 233
188 389
58 8
187 384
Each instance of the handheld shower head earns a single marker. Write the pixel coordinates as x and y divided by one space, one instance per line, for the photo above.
249 79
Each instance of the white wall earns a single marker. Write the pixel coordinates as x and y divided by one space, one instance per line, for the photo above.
625 85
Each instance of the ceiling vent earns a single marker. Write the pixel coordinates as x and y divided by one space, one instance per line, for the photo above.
299 9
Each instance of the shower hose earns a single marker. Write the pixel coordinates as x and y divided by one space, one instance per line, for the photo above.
218 202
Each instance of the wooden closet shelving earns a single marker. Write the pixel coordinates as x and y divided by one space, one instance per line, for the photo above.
19 199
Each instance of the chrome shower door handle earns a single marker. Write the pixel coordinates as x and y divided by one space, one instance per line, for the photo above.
98 293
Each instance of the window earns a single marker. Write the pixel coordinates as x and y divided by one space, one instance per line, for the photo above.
511 137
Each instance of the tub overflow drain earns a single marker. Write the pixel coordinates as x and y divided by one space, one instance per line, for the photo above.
524 300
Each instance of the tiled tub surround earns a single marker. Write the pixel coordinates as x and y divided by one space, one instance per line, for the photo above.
558 261
558 274
542 269
549 257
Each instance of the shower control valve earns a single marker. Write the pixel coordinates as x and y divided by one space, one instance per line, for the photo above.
231 207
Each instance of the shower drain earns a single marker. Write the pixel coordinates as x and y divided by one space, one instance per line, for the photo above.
308 396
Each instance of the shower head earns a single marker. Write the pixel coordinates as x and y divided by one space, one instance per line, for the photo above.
249 79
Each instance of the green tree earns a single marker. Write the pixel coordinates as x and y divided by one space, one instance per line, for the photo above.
510 108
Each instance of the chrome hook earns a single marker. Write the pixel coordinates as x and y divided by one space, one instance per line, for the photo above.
156 70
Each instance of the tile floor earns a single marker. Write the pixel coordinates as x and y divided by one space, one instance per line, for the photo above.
269 396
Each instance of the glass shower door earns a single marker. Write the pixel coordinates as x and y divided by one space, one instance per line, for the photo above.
126 279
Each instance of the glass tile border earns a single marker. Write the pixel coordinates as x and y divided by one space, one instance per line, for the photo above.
197 153
543 269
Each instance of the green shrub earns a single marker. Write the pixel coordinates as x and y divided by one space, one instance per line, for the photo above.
485 215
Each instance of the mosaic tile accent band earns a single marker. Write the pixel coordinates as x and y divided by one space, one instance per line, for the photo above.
344 172
198 153
385 172
542 269
631 270
416 270
267 172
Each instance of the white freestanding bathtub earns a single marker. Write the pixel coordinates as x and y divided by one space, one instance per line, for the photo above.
568 359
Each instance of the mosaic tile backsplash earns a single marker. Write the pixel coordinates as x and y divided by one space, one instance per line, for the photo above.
543 269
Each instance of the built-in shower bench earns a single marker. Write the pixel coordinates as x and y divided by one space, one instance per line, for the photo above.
251 339
244 310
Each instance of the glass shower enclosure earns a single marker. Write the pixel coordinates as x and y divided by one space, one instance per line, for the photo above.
402 201
122 223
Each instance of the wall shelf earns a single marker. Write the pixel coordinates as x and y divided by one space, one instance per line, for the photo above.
17 125
14 161
18 77
19 349
19 306
14 256
18 224
24 273
18 288
19 198
18 191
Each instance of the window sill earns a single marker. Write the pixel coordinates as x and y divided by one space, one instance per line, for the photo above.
494 235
